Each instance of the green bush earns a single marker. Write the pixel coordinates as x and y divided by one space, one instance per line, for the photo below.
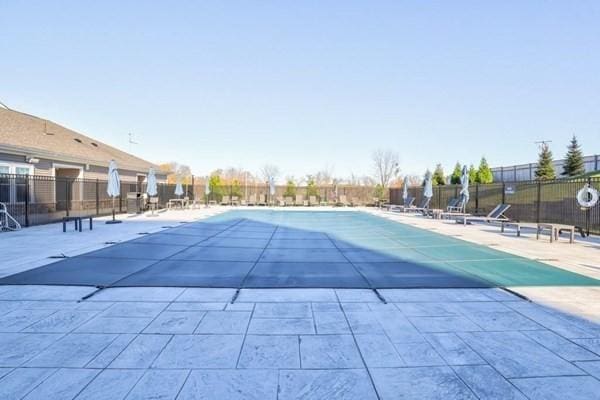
484 174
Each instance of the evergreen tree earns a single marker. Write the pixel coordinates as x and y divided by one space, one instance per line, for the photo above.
545 169
456 174
438 175
472 174
484 173
574 159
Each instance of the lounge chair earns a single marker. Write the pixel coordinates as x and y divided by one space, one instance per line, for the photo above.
288 201
312 201
262 200
251 200
458 206
279 201
496 215
401 208
356 202
422 207
299 200
225 201
235 201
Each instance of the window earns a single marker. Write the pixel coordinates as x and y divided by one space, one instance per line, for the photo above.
13 185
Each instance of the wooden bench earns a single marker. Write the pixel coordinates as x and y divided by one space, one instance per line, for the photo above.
555 229
78 223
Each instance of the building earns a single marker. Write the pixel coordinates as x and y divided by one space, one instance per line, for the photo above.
526 172
51 168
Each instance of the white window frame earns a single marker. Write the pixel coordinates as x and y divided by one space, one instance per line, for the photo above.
12 170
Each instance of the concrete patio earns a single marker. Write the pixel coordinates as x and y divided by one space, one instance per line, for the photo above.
141 343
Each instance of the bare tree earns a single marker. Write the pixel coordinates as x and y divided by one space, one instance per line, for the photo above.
386 166
269 171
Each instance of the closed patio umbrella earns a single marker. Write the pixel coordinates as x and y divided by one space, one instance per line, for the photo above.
152 189
178 188
464 181
405 189
207 189
272 188
428 189
113 189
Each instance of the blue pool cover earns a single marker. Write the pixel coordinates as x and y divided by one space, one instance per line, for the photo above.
300 249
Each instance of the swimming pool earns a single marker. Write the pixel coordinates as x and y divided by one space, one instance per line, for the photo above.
260 248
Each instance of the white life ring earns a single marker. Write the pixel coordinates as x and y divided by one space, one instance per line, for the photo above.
587 197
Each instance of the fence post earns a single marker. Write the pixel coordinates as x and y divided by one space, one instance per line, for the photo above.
539 200
97 197
503 193
193 197
476 198
27 200
67 202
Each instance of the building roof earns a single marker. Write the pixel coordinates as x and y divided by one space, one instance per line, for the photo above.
28 135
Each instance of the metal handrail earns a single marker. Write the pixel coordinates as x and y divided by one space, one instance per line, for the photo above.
6 219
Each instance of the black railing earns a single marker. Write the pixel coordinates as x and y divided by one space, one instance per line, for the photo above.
531 201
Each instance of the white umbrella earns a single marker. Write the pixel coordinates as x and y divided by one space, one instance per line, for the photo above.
207 189
405 189
272 187
178 188
113 189
428 189
464 181
151 189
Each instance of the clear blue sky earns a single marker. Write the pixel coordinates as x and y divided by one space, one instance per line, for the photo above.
305 84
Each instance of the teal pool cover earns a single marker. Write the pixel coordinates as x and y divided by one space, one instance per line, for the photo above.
301 249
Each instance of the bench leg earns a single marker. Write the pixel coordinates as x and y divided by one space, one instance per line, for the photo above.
91 225
80 225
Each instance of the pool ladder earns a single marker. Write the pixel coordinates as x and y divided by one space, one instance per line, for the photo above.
7 222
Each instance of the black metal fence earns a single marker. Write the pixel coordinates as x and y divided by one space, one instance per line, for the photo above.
35 200
531 201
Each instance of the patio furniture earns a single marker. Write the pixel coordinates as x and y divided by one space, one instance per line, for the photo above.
78 223
423 206
496 215
225 201
175 203
288 201
251 200
456 205
555 231
312 201
235 201
401 208
262 200
299 200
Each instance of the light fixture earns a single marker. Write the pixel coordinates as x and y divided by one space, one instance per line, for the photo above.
33 160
